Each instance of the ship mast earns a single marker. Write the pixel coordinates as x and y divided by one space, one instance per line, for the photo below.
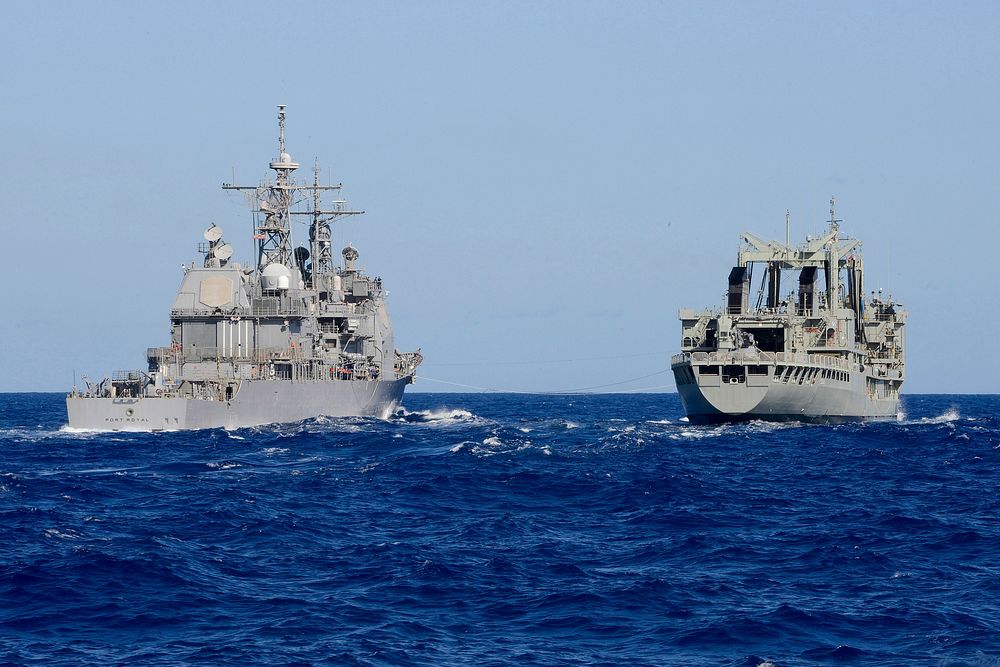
833 259
319 234
273 202
276 246
319 228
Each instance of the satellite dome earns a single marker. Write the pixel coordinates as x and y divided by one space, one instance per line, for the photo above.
275 276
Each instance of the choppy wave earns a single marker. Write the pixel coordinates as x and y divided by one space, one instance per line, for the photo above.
504 529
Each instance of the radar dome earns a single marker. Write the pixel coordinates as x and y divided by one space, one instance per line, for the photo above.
275 277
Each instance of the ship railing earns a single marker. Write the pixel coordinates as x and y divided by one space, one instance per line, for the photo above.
162 354
259 355
275 353
337 309
274 307
127 376
739 357
239 311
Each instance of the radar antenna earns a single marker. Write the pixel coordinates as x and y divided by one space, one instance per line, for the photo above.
281 129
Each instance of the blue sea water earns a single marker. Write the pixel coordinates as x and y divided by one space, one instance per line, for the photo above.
504 529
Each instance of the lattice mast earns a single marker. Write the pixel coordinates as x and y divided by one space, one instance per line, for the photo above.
320 238
272 207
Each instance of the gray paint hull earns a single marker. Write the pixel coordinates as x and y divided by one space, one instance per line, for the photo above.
821 401
257 402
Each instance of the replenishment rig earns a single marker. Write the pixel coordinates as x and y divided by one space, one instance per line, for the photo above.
823 351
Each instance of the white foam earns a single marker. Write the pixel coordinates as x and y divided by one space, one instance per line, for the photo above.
67 534
445 414
948 416
72 429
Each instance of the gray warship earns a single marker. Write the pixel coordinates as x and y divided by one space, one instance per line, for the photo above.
294 336
822 352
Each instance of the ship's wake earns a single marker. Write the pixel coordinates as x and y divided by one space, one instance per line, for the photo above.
948 416
437 416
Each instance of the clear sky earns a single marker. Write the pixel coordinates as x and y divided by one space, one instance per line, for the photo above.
546 184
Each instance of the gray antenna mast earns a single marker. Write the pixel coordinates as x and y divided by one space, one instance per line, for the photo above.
272 221
273 212
319 230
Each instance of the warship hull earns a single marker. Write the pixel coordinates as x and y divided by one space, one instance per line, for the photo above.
255 403
293 336
808 394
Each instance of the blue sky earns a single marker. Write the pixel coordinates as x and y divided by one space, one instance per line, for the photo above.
546 184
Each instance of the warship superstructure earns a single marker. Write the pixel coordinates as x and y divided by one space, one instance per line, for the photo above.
820 352
295 335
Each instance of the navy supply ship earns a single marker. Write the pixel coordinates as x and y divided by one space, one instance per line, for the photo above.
293 336
821 352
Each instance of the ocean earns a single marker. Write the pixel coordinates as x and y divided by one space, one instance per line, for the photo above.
500 529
